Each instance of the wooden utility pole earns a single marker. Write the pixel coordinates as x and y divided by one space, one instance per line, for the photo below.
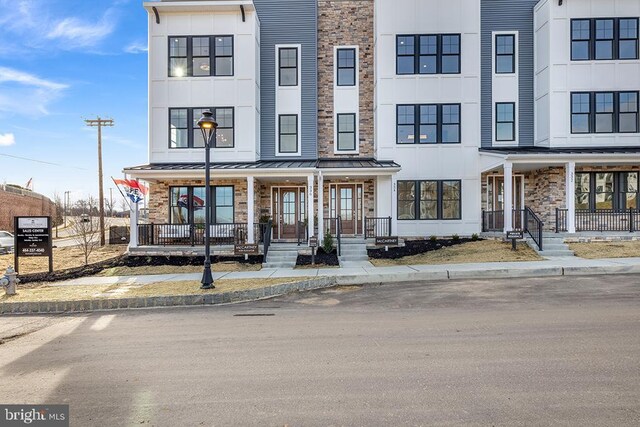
99 123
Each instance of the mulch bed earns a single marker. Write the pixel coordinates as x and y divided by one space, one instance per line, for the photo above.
131 261
415 247
322 258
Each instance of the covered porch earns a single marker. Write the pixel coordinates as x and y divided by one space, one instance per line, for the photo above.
561 190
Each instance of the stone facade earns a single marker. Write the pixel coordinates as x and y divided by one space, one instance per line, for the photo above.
345 23
544 191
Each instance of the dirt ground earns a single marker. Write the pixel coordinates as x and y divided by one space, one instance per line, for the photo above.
595 250
478 252
45 292
63 258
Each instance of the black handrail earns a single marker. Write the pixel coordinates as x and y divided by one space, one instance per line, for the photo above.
266 239
301 232
533 225
339 234
377 227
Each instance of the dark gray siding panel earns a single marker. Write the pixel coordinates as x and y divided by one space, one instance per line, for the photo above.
288 22
509 15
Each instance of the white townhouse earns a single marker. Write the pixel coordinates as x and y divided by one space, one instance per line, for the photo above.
392 117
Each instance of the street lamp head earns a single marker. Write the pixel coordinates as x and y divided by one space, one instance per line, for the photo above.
207 125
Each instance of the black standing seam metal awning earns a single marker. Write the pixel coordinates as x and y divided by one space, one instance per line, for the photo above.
275 164
556 151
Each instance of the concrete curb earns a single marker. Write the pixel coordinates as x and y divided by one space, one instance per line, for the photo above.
165 301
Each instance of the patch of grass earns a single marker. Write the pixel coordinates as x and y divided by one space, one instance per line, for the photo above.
177 269
63 258
471 252
595 250
56 293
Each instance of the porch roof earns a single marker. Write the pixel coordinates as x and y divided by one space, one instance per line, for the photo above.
268 167
560 151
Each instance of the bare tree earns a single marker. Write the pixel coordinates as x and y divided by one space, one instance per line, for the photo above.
109 205
86 231
124 206
59 205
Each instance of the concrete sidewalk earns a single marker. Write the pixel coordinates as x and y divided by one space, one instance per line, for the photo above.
367 273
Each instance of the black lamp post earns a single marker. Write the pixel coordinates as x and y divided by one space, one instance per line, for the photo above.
208 127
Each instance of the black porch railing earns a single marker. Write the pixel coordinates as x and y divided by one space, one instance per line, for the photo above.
377 227
522 219
193 234
302 232
533 226
601 220
266 239
492 221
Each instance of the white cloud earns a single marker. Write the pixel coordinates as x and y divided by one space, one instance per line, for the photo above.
22 92
7 139
136 47
77 33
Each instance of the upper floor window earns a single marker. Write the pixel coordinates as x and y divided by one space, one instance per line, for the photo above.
346 74
604 112
428 124
192 56
428 54
604 39
346 132
505 121
181 135
288 66
288 133
505 46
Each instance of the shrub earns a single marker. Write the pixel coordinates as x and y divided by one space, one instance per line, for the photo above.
455 237
475 237
327 242
433 238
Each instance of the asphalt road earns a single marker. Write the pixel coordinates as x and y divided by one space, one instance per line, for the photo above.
506 352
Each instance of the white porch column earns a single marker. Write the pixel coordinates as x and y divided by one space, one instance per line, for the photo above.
394 205
508 197
310 210
250 209
320 207
570 191
133 226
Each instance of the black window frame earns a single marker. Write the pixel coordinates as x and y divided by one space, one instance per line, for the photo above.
592 115
619 192
512 54
498 121
417 199
596 113
592 40
212 56
417 54
280 134
288 67
190 206
339 67
354 132
190 127
417 123
186 56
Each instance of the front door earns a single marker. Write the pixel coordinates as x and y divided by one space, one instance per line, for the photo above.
288 212
496 201
346 203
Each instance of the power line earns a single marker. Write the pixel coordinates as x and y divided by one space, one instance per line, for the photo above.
42 161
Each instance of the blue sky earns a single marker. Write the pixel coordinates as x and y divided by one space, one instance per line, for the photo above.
62 61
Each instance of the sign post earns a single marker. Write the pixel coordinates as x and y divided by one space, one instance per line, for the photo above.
33 238
514 235
313 244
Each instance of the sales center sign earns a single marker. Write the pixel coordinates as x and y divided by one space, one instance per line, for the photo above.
33 237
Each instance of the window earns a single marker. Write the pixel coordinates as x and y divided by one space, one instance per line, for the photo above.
429 200
183 136
223 206
505 54
428 54
193 57
505 121
346 132
604 112
288 133
607 190
188 205
604 39
288 64
346 67
433 123
628 116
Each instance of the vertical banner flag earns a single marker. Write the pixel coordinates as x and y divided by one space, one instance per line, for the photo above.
132 188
